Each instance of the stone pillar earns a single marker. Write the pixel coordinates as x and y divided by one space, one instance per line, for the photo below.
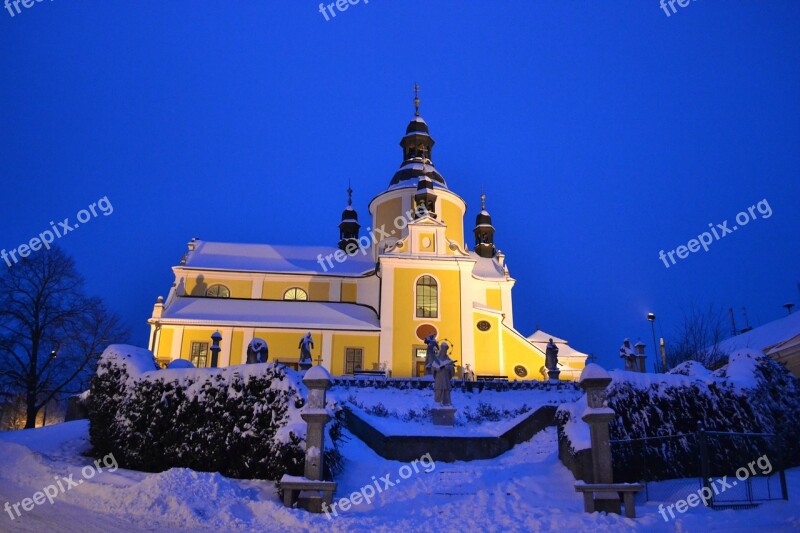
318 381
594 380
639 362
215 348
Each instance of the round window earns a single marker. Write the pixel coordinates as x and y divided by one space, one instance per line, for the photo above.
424 330
521 371
484 325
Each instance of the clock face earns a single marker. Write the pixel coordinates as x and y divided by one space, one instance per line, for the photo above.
484 325
521 371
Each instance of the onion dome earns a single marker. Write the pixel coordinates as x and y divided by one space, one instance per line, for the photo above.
484 232
349 226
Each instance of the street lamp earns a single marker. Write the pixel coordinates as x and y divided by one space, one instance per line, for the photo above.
652 318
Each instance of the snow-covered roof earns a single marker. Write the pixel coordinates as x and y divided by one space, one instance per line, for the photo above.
487 268
765 336
565 351
278 259
290 314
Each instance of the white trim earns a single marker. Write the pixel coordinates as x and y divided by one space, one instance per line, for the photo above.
177 342
248 334
327 350
225 353
387 315
258 288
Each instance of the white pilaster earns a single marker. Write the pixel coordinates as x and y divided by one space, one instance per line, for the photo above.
327 350
247 336
177 341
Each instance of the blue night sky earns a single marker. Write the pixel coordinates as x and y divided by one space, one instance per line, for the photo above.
602 133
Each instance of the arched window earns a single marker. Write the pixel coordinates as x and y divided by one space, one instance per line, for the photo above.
295 293
218 291
427 297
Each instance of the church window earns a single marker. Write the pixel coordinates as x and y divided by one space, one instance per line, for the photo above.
218 291
427 297
295 293
199 354
353 360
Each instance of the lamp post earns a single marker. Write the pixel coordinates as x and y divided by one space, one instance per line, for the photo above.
652 318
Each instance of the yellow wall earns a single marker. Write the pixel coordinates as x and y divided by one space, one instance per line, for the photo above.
164 349
494 299
487 345
385 213
349 292
317 290
451 215
406 322
236 347
369 343
284 344
518 351
191 335
197 285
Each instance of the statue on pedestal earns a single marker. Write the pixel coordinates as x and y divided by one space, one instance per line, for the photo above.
551 360
257 351
443 369
627 353
306 345
430 354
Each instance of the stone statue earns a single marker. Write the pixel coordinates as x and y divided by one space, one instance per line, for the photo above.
257 351
433 345
627 353
551 356
306 345
443 369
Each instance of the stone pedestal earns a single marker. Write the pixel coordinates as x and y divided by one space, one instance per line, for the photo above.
310 491
554 374
444 416
600 495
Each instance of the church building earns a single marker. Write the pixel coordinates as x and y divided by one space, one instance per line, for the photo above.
370 298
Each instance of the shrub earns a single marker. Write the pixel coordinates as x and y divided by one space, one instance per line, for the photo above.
241 421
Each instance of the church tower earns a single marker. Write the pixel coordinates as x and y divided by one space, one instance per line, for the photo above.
418 182
349 226
484 232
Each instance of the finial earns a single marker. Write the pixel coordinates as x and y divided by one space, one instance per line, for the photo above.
483 202
349 194
416 99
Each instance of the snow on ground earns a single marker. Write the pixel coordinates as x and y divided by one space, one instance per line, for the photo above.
526 489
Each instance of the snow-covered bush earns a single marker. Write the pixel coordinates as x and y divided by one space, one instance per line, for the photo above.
751 395
242 421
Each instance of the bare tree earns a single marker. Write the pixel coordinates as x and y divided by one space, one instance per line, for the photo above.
51 332
698 336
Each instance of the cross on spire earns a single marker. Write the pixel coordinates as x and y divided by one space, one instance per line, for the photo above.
416 99
349 194
483 201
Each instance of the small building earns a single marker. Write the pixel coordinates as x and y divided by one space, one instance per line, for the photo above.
780 339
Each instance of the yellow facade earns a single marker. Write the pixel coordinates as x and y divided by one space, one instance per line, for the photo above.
369 308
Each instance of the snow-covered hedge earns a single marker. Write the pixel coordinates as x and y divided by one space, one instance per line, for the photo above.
752 394
242 421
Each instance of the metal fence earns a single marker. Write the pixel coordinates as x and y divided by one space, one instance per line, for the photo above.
737 469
